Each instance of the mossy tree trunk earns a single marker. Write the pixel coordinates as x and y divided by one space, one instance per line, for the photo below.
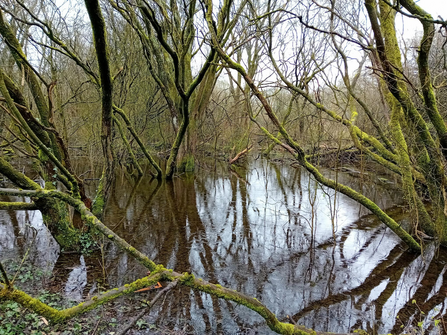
296 150
428 154
54 212
53 161
102 55
430 102
167 43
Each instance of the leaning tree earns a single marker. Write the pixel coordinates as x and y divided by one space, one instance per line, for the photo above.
411 144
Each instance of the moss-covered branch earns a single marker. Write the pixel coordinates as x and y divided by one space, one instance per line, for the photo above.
16 206
56 315
299 152
47 151
158 273
360 198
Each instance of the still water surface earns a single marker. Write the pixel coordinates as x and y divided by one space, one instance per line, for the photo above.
267 230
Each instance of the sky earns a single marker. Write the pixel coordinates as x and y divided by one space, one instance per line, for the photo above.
411 26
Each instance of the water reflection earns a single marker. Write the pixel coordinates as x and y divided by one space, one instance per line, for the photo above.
271 232
76 282
21 231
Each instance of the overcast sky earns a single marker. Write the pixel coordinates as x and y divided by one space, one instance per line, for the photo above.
434 7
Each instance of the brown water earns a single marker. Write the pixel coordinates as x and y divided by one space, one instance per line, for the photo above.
267 230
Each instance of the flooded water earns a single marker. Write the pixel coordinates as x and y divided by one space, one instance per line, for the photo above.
267 230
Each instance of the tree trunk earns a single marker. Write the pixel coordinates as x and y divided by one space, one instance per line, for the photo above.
54 212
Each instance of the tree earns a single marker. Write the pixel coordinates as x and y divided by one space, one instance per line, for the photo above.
409 138
39 195
395 156
168 30
41 138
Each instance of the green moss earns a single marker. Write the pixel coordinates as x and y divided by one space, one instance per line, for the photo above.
91 221
158 268
110 236
56 217
42 156
190 164
187 279
98 202
36 305
187 164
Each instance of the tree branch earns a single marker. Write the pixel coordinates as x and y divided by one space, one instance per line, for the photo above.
158 273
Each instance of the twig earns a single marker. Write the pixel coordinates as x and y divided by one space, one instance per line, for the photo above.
5 276
290 318
148 308
96 327
26 255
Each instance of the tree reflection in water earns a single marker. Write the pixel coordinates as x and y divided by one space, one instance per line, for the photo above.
255 230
